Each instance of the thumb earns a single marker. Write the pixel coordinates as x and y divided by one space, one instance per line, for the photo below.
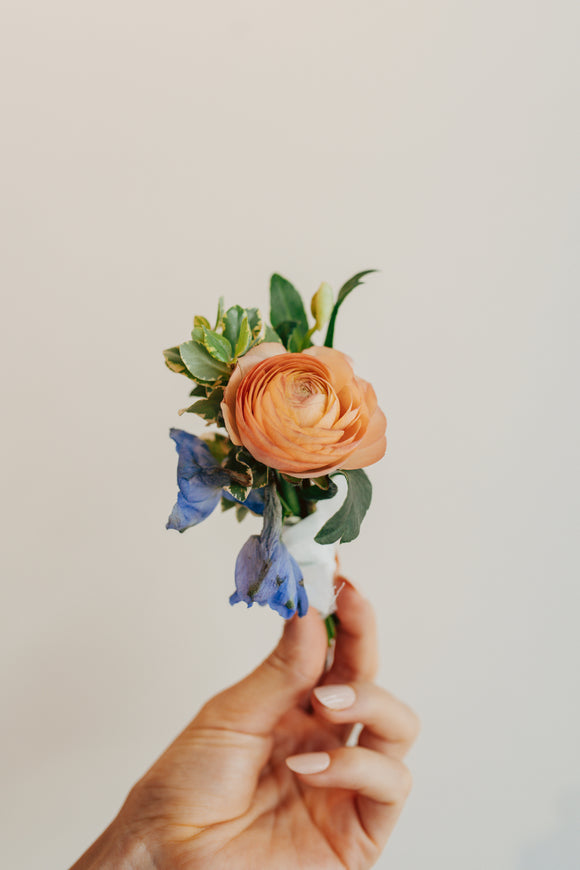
255 704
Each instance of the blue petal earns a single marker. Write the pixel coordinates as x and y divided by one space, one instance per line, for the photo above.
199 480
254 501
266 573
188 513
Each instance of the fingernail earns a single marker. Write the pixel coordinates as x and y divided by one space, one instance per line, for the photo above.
310 762
335 697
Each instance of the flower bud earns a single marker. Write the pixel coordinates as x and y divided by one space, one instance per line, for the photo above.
322 304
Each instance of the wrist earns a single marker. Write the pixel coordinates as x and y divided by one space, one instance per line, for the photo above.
118 848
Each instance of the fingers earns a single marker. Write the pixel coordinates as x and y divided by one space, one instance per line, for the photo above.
390 727
255 704
356 655
373 769
382 784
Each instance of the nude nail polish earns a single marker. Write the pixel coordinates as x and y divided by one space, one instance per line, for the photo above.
309 762
335 697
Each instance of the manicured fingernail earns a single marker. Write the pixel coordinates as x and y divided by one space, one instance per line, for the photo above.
310 762
335 697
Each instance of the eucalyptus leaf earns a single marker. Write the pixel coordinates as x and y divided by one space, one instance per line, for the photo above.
201 366
286 304
342 294
345 524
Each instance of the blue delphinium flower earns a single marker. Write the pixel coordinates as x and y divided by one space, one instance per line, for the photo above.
266 573
201 479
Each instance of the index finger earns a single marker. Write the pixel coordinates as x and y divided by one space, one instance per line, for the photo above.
356 655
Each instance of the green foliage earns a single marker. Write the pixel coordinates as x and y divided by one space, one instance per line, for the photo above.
257 470
242 478
320 489
241 512
174 362
219 446
342 294
244 337
217 345
227 504
220 314
203 367
271 334
287 313
345 525
208 408
256 323
198 321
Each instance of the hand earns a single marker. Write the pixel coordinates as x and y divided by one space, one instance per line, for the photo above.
262 778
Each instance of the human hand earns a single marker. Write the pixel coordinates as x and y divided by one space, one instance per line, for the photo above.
261 778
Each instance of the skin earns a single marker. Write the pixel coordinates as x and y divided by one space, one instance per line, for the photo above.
223 796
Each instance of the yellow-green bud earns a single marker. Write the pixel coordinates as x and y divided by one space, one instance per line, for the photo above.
322 304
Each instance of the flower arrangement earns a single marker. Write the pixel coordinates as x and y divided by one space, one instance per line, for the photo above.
297 418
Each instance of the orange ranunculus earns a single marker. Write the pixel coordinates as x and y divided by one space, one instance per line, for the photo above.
305 414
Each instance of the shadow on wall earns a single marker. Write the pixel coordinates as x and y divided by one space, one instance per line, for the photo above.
561 849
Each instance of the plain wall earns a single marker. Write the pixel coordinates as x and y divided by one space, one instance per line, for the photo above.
157 155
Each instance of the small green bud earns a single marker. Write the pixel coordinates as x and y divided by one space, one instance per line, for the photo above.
322 304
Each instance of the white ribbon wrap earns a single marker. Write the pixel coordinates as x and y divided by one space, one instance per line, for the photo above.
317 561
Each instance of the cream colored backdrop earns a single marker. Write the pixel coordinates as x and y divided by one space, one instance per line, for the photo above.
155 155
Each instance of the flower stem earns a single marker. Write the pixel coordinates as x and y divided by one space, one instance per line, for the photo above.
330 623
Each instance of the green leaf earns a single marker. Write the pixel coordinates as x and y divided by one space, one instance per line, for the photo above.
219 446
258 470
295 340
342 294
241 482
241 511
290 335
344 526
198 390
244 337
198 320
271 334
288 495
210 408
220 313
318 493
217 345
232 322
227 504
201 366
286 304
174 362
197 334
255 321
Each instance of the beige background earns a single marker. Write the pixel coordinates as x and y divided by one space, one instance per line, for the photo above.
155 155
